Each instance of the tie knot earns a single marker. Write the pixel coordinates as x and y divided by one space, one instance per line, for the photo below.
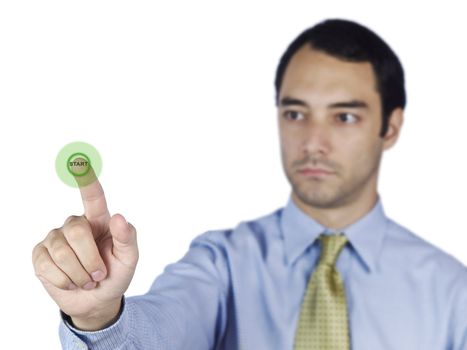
331 246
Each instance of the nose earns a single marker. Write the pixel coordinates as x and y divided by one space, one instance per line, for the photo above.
316 138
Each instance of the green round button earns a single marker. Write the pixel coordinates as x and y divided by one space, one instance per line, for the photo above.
78 164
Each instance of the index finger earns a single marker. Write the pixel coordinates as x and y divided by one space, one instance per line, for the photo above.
92 193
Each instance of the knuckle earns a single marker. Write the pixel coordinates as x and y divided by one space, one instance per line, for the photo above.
42 267
38 256
77 232
36 251
71 218
53 235
55 240
61 254
63 283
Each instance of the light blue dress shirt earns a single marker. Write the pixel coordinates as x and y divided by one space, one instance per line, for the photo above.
242 288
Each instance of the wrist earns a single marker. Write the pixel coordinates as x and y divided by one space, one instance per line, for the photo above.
100 319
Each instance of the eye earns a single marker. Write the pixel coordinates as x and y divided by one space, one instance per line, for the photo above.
347 118
292 115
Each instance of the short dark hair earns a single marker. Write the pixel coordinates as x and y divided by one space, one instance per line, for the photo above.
350 41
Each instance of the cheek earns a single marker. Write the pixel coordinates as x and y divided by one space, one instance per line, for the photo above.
352 150
362 155
290 148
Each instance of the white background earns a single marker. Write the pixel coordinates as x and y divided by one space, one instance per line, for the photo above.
179 101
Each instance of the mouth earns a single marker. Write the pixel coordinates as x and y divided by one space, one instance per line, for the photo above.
315 172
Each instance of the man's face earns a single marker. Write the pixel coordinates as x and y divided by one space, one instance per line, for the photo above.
329 122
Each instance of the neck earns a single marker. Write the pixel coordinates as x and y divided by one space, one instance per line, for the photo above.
339 217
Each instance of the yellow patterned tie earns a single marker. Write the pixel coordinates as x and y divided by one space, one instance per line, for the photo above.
323 323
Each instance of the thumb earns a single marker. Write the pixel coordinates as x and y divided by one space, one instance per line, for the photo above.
123 234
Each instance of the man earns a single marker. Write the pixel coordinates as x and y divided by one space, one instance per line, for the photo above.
327 271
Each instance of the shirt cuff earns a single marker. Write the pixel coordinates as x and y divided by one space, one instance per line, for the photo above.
110 338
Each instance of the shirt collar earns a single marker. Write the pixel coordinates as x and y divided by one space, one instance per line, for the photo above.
365 235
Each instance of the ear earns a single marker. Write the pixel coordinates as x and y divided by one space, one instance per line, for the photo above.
396 120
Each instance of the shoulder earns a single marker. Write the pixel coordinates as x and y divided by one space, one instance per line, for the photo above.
418 253
256 232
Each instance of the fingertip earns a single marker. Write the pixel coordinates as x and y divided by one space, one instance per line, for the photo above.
119 218
98 275
82 172
90 285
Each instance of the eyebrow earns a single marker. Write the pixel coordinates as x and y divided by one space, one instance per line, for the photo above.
289 101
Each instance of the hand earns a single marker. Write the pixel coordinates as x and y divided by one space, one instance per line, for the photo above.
87 264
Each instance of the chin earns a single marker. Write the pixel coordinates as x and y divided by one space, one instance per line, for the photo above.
319 202
318 198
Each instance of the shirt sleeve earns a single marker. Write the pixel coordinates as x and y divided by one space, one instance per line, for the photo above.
185 308
459 338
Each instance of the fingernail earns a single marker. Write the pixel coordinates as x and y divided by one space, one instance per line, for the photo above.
90 285
97 275
72 286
